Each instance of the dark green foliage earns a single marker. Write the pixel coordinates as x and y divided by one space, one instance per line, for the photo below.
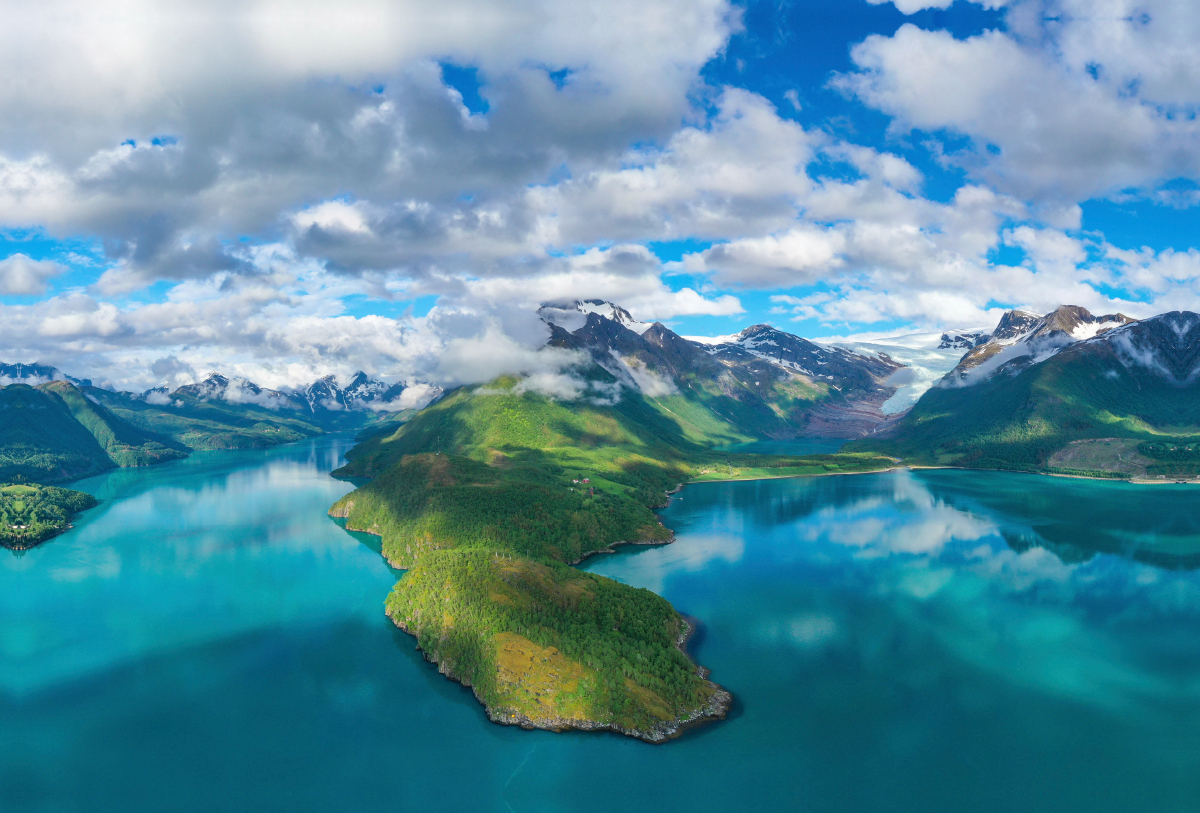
481 496
619 639
53 433
30 514
433 501
1171 451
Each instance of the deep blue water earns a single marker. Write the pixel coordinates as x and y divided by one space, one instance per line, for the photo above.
208 640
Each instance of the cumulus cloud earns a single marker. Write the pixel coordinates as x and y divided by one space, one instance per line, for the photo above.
167 131
276 167
1078 99
20 274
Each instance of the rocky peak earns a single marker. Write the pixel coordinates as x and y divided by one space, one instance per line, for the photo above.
573 315
1021 339
959 340
1014 324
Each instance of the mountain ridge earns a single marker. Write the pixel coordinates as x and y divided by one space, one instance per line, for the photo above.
1128 381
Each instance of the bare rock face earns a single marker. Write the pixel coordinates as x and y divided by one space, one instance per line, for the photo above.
958 340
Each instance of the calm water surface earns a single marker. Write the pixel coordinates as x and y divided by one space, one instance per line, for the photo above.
208 640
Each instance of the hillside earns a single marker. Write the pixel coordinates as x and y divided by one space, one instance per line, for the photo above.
53 433
487 496
1103 404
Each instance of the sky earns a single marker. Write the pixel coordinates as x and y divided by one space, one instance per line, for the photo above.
284 189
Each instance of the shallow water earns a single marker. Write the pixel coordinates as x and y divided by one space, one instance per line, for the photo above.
938 641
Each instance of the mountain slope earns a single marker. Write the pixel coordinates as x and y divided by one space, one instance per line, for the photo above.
1022 339
487 496
191 416
1138 381
53 432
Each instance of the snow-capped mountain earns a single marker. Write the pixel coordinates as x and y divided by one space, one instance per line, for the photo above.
33 374
1022 339
963 340
842 367
781 384
571 316
325 395
1167 346
231 390
361 392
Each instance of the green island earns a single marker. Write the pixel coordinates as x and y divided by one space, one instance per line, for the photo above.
487 497
31 514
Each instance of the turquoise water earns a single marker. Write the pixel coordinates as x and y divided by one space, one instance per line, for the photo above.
940 641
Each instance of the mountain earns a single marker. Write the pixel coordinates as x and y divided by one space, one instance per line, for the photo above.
1022 339
216 413
486 497
571 316
1068 391
53 432
963 340
33 374
360 394
762 382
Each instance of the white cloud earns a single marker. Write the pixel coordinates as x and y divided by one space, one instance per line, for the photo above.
19 274
1080 99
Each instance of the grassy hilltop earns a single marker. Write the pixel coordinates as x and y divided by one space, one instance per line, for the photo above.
481 497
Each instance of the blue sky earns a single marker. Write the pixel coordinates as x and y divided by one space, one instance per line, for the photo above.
326 191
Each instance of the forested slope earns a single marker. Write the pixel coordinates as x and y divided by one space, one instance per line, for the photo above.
53 433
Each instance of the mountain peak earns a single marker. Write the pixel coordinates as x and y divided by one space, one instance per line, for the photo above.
573 315
1022 339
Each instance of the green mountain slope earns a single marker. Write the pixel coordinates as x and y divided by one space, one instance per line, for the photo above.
198 423
53 433
1135 383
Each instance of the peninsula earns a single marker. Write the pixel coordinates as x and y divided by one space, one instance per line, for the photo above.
487 497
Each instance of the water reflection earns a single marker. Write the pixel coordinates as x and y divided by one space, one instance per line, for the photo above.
182 554
1074 589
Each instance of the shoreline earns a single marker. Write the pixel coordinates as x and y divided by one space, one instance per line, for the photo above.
717 707
1137 481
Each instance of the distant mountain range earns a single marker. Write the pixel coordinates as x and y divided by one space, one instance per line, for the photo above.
762 382
54 427
1036 392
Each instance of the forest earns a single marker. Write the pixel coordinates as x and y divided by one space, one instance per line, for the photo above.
31 514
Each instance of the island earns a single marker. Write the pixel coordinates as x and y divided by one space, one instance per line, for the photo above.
31 514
